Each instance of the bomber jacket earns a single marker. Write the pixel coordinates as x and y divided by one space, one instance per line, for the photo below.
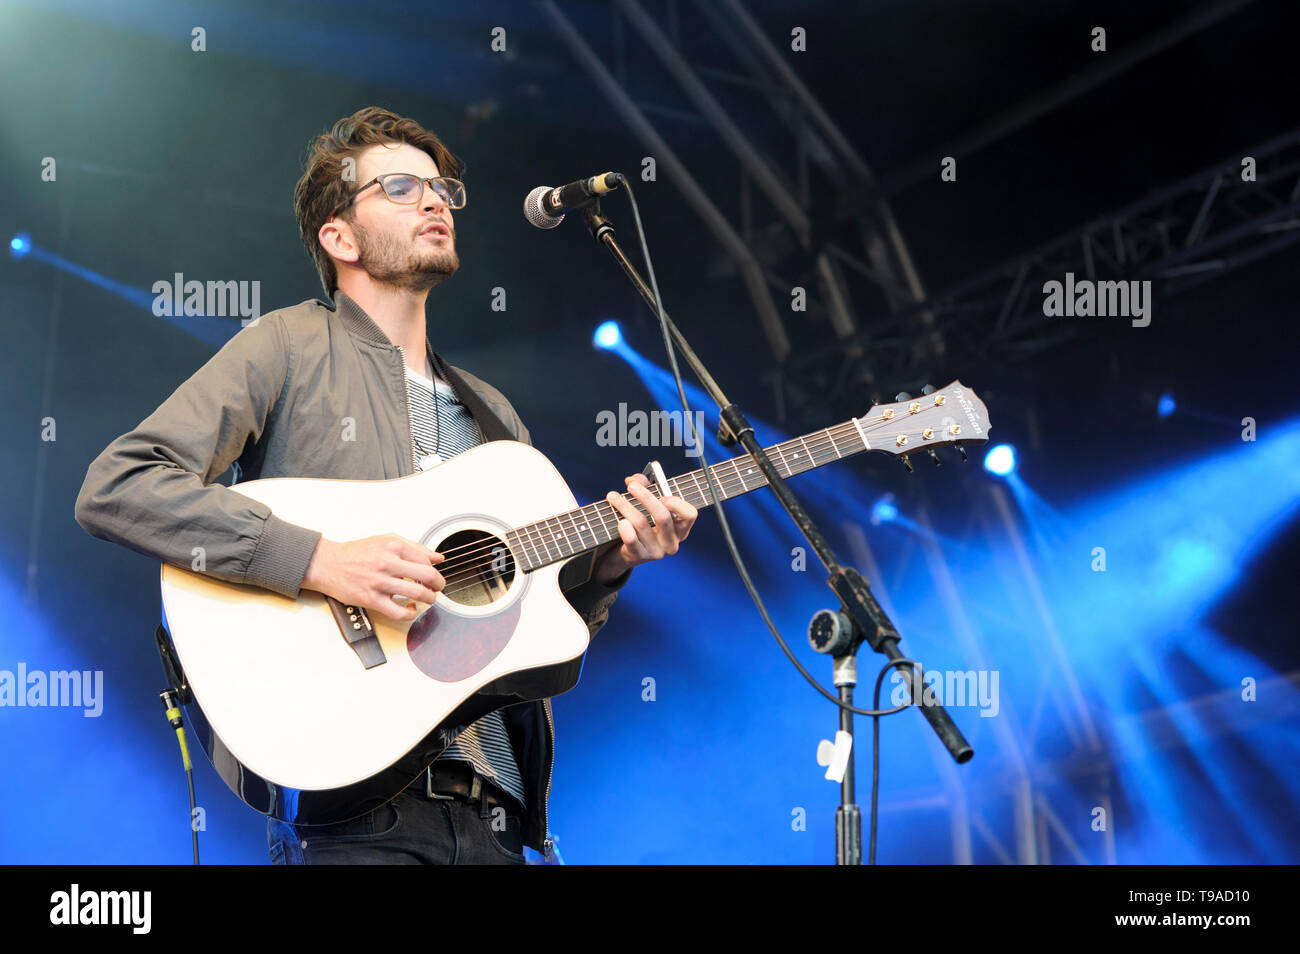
269 403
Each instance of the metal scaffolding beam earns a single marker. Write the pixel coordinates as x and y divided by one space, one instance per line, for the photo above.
1181 236
750 269
772 256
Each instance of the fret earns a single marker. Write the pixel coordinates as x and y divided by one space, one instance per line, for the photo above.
539 537
862 432
586 519
539 557
517 556
522 544
790 462
573 522
803 443
530 552
616 516
750 468
744 484
602 529
555 533
586 524
834 446
784 463
565 540
743 489
543 538
513 545
675 489
704 497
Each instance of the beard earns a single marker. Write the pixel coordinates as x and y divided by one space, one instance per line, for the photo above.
404 263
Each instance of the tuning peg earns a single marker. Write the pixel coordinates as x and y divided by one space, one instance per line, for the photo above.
902 396
934 456
961 450
908 464
928 389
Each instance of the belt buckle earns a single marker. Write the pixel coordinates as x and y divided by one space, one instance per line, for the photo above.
428 787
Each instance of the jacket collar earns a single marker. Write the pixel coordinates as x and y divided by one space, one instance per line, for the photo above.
357 322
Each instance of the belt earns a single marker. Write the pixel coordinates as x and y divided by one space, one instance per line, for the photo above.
452 780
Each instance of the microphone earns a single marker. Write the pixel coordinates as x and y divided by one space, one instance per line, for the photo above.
545 207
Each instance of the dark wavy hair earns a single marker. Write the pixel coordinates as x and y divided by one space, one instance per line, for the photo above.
322 187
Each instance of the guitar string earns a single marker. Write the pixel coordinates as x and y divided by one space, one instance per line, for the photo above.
818 440
461 571
725 483
469 574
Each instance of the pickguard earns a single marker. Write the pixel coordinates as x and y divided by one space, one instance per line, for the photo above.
450 647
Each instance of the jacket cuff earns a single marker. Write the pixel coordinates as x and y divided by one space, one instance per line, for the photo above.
283 553
590 598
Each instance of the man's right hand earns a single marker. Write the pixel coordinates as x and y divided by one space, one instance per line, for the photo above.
371 571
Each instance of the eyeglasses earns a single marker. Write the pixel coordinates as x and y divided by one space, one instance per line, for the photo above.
406 189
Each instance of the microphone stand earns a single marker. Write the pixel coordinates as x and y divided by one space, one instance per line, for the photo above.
868 621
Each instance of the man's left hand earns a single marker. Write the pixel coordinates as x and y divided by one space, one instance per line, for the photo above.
641 542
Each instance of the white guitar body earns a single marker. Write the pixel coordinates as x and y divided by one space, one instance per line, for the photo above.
291 712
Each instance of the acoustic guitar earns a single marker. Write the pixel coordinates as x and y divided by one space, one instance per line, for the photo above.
314 711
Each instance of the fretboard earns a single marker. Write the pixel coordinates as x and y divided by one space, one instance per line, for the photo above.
567 535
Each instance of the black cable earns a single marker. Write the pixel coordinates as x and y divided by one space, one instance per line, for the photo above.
194 831
875 747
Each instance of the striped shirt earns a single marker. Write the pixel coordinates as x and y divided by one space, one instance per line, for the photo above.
439 436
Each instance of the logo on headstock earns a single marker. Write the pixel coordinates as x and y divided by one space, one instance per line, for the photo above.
969 407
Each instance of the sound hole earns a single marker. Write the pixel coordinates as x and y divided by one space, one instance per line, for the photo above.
479 567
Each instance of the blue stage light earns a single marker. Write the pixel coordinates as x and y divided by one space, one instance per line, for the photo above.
1166 405
1000 460
20 245
607 335
884 510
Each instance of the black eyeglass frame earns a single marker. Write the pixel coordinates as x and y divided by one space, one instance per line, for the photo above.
430 180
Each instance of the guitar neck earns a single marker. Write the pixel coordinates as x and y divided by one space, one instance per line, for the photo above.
578 531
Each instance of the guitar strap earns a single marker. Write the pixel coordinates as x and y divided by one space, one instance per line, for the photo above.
493 428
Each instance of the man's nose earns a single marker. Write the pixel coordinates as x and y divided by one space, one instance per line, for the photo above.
430 199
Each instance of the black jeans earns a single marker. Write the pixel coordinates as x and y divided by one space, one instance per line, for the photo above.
412 829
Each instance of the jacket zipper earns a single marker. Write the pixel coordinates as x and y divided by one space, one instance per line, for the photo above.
546 797
406 392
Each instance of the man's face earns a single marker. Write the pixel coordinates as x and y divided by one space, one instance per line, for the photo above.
412 247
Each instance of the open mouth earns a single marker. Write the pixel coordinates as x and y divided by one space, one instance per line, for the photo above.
437 230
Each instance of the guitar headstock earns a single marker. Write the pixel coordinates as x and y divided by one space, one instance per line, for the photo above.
952 415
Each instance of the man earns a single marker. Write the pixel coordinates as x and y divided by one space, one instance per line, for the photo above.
358 393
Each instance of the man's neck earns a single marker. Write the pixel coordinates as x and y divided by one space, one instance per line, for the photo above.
400 315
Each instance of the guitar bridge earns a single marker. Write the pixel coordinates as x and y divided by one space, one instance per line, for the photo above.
359 632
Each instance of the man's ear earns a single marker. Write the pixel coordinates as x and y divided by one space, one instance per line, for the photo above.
338 240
